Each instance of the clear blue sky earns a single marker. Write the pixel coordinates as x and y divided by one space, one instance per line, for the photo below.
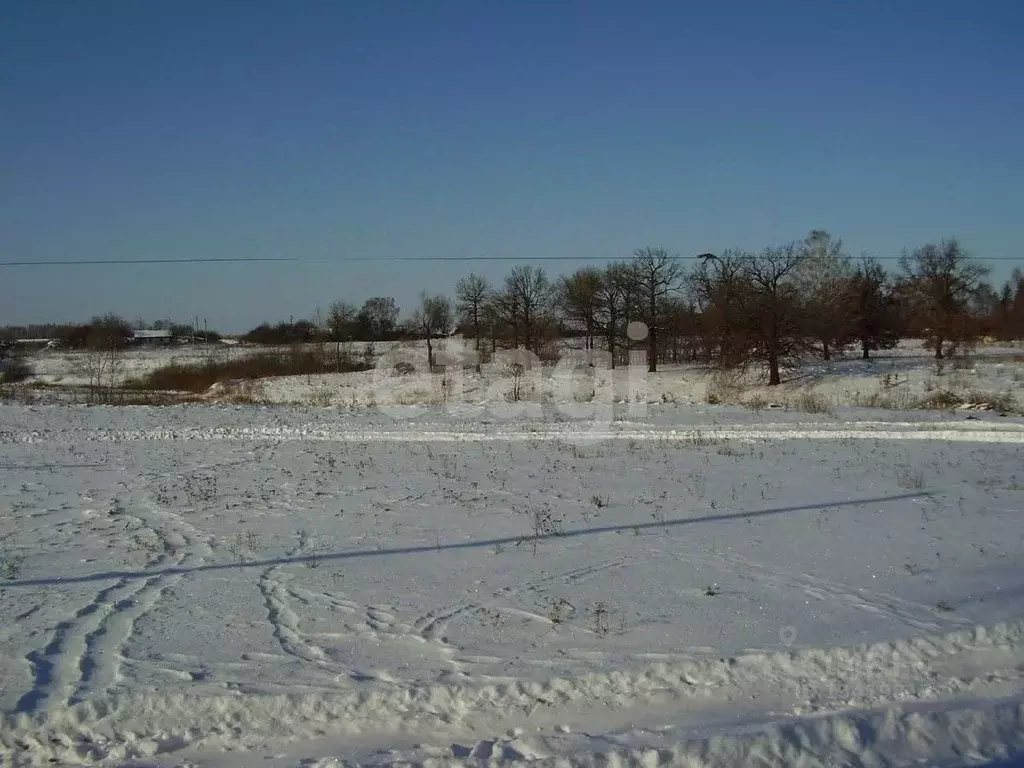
331 129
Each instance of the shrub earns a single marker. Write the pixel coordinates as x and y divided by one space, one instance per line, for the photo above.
549 353
756 403
14 370
724 387
321 398
200 377
812 402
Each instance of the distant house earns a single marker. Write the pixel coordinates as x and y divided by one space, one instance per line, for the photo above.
152 337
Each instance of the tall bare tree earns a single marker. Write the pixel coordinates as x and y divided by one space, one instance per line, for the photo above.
341 319
823 272
658 276
578 299
940 282
433 317
721 290
1014 323
525 305
777 308
1006 319
471 295
612 303
871 309
759 303
680 330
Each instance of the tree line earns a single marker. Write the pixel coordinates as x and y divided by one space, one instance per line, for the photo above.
103 331
774 309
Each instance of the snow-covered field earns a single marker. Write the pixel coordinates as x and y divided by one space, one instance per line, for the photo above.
214 585
71 368
992 376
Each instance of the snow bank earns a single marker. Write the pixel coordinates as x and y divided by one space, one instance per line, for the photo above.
145 725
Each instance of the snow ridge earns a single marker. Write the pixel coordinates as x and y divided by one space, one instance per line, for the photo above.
828 680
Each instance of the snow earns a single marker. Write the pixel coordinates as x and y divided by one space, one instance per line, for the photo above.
70 368
489 582
896 379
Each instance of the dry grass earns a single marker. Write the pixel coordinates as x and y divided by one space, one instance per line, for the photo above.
724 388
321 398
940 400
757 403
910 478
812 402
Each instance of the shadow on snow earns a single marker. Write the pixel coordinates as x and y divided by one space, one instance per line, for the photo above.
442 547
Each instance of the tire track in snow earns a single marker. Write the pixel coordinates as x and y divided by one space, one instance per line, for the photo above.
432 625
284 621
573 575
60 666
104 653
287 629
101 659
86 652
917 616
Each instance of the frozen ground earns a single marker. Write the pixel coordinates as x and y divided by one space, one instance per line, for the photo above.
699 586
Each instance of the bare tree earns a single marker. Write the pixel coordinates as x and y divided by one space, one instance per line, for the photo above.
525 305
107 337
870 308
757 298
680 330
341 319
612 303
658 276
823 272
1009 316
578 300
940 282
777 308
720 289
433 317
471 295
492 316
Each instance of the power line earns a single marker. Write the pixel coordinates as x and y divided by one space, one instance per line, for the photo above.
363 259
89 262
697 257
